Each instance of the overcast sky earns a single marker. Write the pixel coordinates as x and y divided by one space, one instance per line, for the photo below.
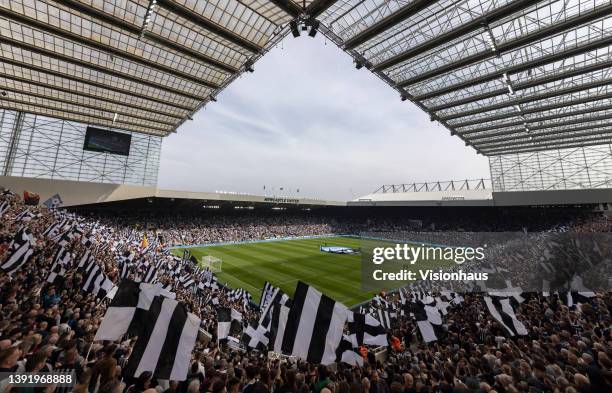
307 119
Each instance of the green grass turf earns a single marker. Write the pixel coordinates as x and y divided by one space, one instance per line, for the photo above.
284 262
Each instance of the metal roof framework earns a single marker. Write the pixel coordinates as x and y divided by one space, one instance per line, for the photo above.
139 65
436 186
505 76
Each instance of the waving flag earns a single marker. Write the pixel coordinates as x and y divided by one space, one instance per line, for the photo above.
314 326
19 252
165 345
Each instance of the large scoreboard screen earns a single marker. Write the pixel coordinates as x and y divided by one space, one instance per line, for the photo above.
97 139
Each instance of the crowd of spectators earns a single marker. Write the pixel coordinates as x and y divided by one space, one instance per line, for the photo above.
180 228
51 326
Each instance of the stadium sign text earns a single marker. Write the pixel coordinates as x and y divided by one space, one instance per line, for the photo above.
282 200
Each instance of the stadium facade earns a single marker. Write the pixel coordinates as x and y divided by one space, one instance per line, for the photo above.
525 83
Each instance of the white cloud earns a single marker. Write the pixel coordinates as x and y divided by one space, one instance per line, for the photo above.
307 119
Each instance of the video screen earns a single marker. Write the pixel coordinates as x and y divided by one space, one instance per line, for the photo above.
106 141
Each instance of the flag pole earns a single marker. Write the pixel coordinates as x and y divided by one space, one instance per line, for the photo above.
88 351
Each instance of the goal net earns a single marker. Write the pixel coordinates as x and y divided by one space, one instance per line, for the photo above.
213 263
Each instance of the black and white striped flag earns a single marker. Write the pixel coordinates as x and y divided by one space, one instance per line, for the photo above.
314 326
275 334
164 292
150 274
103 286
165 344
96 281
87 240
267 293
452 297
442 305
235 294
127 256
403 299
86 259
429 320
364 329
125 270
382 302
573 298
253 337
578 292
229 323
187 281
65 237
54 202
385 317
274 314
503 312
422 297
126 312
240 295
348 351
56 274
63 256
55 228
177 269
19 252
92 272
27 215
60 261
4 206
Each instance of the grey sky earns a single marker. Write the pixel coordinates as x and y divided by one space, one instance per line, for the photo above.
307 119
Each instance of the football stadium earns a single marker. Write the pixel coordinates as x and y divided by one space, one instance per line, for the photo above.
283 263
112 282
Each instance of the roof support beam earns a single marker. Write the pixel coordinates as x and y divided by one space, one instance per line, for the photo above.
88 120
317 7
546 126
388 22
517 43
556 116
550 146
482 142
529 98
495 15
538 138
534 150
92 84
533 110
142 114
288 7
578 50
45 98
526 85
95 67
204 23
70 36
120 123
121 24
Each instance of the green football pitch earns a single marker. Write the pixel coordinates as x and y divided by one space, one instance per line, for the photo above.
284 262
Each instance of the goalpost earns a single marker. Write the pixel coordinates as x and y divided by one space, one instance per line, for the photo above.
213 263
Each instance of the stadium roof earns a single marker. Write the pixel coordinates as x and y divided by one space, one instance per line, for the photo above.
146 64
504 76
